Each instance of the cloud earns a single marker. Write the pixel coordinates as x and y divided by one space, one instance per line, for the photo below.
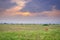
41 5
53 13
20 3
14 11
6 4
24 14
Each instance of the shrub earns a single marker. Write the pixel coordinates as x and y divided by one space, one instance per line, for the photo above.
45 24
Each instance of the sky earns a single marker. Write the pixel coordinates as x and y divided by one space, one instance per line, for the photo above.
30 11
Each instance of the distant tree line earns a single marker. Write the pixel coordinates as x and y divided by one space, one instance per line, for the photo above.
28 23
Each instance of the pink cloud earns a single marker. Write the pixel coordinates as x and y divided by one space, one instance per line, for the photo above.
15 11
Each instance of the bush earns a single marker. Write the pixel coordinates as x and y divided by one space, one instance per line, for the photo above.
45 24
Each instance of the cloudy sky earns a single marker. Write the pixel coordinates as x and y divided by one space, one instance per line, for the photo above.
30 11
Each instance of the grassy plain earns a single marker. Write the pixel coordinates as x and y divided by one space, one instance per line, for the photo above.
29 32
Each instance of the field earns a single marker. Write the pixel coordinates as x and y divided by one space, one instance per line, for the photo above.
29 32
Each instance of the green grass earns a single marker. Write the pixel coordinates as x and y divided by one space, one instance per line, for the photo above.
29 32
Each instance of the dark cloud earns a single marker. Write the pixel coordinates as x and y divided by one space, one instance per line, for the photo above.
39 11
41 5
4 0
5 4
